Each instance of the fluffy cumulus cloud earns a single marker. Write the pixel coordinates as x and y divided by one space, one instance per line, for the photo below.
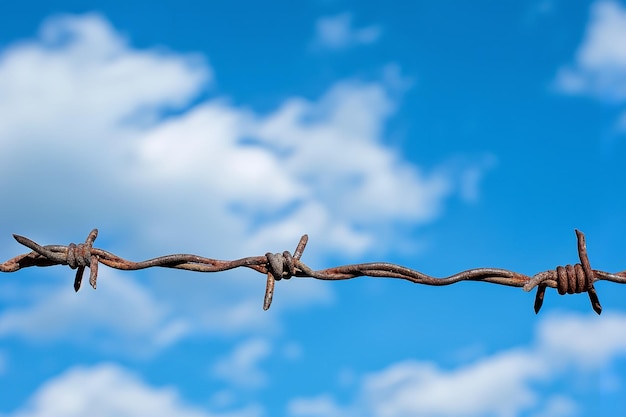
504 384
80 76
97 132
108 390
73 101
337 32
599 67
93 116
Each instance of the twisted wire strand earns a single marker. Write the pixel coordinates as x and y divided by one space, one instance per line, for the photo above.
571 279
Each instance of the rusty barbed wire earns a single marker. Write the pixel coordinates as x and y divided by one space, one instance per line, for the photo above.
570 279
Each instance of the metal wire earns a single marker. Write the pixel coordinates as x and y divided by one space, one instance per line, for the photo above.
570 279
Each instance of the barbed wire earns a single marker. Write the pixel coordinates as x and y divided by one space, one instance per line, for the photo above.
570 279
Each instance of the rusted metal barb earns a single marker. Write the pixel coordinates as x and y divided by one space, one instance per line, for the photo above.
570 279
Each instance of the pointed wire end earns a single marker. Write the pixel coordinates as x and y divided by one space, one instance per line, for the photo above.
21 239
92 236
580 235
597 308
595 301
541 291
301 245
78 279
269 292
93 271
28 243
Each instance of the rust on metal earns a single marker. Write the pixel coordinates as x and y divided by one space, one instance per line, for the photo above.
571 279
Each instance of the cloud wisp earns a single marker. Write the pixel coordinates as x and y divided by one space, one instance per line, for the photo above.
241 367
337 32
599 66
503 384
121 315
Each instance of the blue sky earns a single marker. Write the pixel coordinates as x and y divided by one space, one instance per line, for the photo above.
442 136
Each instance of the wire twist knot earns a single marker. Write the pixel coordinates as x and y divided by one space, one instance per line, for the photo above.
80 256
281 266
570 279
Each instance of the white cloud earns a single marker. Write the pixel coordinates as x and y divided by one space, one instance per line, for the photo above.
120 307
322 406
110 391
496 385
337 32
213 170
333 148
83 142
138 320
73 102
241 367
562 338
504 384
82 71
599 68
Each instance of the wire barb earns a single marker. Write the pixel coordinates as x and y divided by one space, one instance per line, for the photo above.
281 266
79 256
571 279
